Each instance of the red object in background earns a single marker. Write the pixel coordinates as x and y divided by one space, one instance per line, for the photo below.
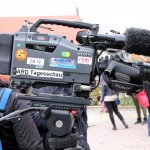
143 99
74 112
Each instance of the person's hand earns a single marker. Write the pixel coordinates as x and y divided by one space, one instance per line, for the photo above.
5 78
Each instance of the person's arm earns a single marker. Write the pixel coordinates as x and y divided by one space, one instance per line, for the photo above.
117 94
25 130
103 92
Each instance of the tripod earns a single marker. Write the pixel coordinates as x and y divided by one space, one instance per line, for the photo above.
68 142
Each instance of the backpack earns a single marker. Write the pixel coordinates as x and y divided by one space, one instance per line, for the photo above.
4 96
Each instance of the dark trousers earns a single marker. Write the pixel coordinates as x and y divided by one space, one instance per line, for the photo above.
112 107
82 126
139 108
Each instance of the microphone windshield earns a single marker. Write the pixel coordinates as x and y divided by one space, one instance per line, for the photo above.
137 41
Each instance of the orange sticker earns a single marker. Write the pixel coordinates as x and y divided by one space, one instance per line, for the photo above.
21 54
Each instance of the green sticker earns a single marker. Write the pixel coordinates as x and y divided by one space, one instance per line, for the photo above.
18 45
65 54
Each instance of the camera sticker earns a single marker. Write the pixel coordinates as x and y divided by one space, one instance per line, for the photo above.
63 63
21 54
65 54
84 60
37 62
39 73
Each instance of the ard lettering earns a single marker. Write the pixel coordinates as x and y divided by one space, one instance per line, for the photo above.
21 71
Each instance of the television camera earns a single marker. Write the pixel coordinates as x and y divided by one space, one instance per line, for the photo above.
36 59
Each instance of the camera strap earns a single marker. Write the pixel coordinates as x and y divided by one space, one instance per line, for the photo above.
4 96
106 79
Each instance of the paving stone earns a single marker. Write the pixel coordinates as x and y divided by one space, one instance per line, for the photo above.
102 137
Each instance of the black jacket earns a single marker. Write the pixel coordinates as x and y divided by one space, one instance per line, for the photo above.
19 135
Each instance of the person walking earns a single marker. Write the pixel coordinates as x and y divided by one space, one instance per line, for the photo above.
109 97
101 101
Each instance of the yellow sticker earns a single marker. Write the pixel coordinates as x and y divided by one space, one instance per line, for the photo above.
21 54
65 54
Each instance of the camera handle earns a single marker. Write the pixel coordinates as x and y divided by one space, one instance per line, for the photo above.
75 24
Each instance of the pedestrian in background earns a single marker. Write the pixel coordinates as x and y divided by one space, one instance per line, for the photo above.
109 97
138 110
101 100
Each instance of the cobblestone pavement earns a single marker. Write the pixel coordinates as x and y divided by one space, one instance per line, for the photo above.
102 137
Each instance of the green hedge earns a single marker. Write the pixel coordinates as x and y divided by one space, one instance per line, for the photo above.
94 94
125 100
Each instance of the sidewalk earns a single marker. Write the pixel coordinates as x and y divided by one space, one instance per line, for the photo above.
102 137
99 106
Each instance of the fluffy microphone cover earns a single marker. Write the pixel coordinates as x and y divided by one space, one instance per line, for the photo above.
138 41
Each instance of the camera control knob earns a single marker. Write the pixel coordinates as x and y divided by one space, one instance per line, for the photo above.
59 124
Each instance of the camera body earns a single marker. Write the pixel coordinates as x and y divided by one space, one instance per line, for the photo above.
49 58
36 60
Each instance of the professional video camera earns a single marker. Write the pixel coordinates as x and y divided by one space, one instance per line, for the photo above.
36 59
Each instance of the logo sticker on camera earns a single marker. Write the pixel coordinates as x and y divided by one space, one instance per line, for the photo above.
39 73
85 60
62 63
21 54
65 54
35 61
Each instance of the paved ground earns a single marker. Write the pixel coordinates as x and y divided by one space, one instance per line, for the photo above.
102 137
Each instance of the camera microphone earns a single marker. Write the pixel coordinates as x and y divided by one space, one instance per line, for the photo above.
137 41
134 40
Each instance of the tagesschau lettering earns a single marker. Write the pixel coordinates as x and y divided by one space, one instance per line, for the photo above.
39 73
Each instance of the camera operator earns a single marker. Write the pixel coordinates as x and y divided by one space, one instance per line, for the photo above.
18 134
80 120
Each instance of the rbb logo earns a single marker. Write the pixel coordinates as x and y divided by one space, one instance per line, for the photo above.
85 60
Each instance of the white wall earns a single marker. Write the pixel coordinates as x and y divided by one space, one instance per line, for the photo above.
15 8
116 14
109 14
